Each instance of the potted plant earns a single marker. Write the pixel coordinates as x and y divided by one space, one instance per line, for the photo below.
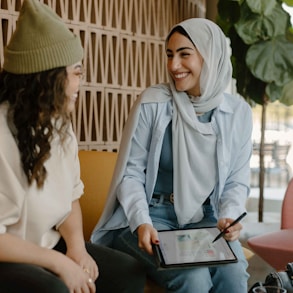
261 38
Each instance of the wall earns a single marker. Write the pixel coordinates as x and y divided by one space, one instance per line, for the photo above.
124 53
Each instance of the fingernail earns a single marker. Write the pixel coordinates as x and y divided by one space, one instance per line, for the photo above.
227 231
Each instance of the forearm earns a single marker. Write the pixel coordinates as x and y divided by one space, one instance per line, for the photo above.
72 232
132 197
15 249
71 229
233 201
234 196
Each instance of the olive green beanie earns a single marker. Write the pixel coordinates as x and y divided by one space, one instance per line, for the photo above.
41 41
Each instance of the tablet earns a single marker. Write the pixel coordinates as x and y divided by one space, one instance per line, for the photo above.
192 247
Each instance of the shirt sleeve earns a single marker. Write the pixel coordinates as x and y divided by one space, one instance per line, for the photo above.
12 184
237 184
78 184
78 189
131 191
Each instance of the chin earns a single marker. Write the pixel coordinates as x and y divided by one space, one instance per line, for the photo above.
180 88
71 108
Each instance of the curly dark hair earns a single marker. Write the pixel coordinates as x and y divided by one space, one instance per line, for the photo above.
34 99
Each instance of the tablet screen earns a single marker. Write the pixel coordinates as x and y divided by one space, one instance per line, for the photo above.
193 247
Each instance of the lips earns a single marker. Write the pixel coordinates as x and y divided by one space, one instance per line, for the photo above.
180 75
74 97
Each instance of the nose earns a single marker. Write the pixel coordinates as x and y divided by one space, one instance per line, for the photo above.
174 64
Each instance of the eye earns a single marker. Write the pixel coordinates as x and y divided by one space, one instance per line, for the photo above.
80 74
184 54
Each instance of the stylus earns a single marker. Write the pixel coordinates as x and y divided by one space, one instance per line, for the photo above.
222 233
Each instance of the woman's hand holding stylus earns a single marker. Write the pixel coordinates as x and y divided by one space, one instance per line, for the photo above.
233 232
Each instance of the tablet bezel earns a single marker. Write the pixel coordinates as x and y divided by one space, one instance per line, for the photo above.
160 258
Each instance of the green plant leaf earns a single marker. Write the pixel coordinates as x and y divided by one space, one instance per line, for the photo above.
248 86
287 94
272 60
262 52
273 91
288 2
289 34
253 27
262 6
255 89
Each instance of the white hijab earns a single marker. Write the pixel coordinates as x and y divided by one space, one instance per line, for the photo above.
194 143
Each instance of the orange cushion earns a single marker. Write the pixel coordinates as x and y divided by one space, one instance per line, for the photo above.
96 169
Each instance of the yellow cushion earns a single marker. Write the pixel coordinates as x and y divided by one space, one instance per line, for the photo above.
248 253
96 169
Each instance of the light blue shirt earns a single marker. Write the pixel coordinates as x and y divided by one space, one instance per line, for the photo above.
232 122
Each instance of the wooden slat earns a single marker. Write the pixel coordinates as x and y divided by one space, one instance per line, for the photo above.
123 53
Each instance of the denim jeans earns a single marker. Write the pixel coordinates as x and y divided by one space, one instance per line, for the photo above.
228 278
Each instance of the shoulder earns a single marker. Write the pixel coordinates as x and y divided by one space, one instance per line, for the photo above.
234 111
235 114
234 104
156 94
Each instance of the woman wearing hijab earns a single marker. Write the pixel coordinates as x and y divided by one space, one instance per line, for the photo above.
183 162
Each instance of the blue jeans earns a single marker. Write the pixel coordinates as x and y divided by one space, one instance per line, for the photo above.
230 278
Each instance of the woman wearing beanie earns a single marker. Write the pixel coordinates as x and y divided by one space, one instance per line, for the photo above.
184 163
42 248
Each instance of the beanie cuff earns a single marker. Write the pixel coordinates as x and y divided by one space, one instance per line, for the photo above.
57 55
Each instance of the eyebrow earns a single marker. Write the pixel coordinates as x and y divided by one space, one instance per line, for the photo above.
77 66
180 49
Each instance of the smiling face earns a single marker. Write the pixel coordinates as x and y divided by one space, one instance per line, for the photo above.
74 75
184 64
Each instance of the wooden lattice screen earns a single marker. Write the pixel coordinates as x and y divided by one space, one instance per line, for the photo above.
124 53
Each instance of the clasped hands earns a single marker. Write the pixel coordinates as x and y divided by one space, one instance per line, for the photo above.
82 273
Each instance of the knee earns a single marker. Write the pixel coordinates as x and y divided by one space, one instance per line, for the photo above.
50 283
133 270
33 286
231 277
130 273
236 272
30 279
187 281
196 279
